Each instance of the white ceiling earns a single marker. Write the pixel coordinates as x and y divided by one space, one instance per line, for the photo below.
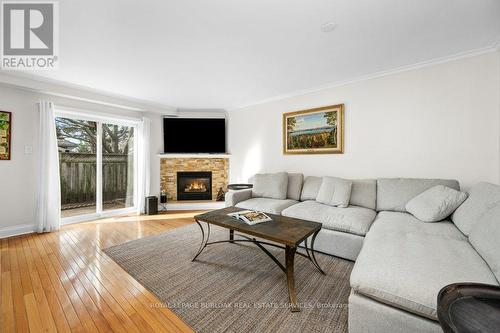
229 53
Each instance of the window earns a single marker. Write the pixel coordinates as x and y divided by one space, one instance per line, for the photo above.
117 166
98 166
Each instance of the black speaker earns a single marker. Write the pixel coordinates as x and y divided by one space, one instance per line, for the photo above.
163 198
151 205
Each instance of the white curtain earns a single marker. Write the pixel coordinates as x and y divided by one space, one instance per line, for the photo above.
48 205
144 163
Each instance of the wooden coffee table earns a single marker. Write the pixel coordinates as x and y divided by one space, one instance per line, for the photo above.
469 307
286 233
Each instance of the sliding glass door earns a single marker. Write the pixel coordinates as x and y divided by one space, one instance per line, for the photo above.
97 167
118 177
77 142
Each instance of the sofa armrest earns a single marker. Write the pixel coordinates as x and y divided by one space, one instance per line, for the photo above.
233 197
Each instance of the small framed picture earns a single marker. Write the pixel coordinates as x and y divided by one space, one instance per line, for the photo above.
314 131
5 135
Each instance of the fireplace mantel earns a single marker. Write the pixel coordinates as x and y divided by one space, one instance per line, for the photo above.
194 155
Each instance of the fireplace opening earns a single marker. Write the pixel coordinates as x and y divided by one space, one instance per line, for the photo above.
194 185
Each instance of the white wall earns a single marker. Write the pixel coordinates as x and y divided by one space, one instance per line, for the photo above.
17 176
439 121
499 106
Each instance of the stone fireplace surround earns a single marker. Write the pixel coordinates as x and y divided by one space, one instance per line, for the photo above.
169 166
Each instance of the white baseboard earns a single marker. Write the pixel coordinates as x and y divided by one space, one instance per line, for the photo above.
16 230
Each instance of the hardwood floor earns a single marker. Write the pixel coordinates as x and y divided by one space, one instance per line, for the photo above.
62 281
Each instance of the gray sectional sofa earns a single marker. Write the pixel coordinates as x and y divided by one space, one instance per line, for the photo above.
401 262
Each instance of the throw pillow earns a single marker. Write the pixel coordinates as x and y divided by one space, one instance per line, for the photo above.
310 188
335 192
435 204
270 185
295 181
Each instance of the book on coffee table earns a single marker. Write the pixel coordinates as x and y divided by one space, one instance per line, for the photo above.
250 217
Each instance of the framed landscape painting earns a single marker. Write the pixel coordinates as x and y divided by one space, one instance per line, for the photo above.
5 133
314 131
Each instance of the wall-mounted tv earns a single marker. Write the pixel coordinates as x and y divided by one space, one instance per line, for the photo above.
194 135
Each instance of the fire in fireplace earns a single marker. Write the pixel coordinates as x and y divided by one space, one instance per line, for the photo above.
194 185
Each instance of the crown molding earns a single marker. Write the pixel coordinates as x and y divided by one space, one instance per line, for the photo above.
428 63
56 88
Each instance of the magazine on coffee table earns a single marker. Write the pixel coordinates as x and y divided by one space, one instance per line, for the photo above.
250 217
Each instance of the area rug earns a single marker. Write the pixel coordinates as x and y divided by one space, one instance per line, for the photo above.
236 287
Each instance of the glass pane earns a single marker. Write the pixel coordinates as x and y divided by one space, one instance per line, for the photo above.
117 166
77 165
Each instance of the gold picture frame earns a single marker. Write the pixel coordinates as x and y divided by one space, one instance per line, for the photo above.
314 131
5 135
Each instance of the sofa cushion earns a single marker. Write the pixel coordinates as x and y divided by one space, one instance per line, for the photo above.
335 192
267 205
364 193
354 220
392 222
295 181
436 203
270 185
407 264
485 237
394 193
482 197
310 188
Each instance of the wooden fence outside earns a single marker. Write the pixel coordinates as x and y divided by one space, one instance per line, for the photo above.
78 178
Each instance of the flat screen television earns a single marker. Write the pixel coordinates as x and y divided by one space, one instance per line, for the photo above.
194 135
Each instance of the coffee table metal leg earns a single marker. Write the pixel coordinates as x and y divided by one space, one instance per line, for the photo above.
231 235
313 258
203 240
290 278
